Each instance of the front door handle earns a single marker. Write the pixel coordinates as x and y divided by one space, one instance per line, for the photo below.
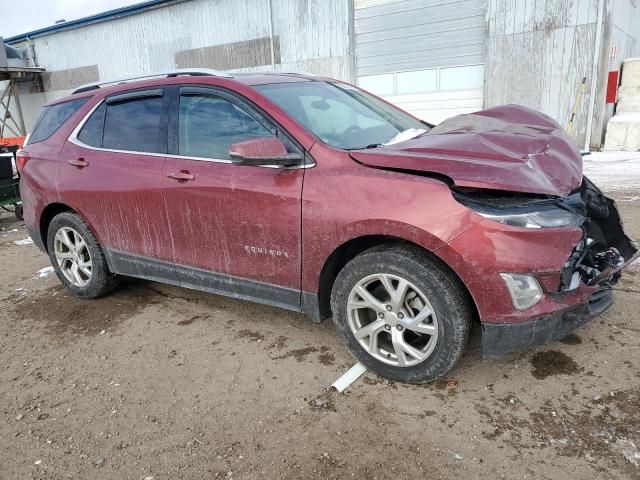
78 162
181 176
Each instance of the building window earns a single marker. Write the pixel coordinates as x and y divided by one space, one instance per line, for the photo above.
417 81
378 84
464 77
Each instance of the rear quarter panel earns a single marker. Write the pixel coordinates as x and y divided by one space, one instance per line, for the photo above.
39 178
39 181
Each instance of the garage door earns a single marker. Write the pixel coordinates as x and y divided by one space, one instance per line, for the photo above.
425 56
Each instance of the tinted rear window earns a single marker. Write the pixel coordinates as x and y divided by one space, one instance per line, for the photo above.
91 133
135 125
53 117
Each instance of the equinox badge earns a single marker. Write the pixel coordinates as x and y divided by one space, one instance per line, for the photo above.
265 251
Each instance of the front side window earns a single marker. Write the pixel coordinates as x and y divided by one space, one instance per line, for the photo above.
135 125
340 115
53 117
208 125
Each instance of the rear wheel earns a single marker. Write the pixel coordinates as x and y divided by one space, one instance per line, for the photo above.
401 313
77 257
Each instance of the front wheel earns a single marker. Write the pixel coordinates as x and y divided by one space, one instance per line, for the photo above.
401 313
77 257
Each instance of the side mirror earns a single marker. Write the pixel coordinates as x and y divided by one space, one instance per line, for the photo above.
263 151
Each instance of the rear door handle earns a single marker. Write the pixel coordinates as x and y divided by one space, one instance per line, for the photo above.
181 176
78 162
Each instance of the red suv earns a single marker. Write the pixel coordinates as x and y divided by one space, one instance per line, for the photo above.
310 194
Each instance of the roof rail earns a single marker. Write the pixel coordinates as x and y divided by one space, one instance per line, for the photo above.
306 74
171 73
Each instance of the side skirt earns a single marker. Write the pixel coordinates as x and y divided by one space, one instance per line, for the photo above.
206 281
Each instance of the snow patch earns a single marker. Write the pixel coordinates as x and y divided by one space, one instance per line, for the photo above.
405 135
25 241
613 170
44 272
626 117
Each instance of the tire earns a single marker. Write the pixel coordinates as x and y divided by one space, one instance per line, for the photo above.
440 336
100 281
18 211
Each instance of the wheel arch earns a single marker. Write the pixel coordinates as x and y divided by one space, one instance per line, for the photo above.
48 213
348 250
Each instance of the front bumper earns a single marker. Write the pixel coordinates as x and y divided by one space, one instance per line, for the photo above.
575 267
571 264
499 339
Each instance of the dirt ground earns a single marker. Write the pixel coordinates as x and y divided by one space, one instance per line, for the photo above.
164 383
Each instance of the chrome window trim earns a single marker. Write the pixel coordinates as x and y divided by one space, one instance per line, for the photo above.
223 160
73 138
129 152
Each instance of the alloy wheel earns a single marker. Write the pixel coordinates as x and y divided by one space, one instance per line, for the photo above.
73 256
392 319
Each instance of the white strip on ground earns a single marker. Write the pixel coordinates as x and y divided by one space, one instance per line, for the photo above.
349 377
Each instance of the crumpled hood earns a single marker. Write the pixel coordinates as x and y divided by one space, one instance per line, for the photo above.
510 148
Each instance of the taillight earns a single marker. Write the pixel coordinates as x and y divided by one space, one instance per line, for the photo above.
21 160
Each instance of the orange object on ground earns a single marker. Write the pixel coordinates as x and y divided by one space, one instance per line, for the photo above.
12 141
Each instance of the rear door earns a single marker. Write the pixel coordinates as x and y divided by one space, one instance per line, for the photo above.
235 229
110 173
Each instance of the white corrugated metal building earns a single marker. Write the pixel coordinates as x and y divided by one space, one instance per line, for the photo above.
433 58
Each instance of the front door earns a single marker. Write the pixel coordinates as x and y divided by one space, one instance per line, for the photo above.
236 229
110 171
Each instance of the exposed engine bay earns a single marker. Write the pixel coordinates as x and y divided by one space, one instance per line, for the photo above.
604 248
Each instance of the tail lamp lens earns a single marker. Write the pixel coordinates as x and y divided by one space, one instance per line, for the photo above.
21 160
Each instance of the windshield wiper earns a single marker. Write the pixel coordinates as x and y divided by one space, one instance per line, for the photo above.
370 146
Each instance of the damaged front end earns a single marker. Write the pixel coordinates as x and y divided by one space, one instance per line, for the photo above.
574 292
604 249
601 253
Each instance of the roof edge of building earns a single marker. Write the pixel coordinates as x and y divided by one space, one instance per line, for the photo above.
92 19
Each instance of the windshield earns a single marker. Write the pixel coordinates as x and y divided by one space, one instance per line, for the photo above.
341 115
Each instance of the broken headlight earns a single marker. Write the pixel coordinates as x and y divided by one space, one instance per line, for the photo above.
540 219
523 213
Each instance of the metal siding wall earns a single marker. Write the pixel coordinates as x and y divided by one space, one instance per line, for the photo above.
417 34
537 52
625 38
313 34
626 29
314 37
